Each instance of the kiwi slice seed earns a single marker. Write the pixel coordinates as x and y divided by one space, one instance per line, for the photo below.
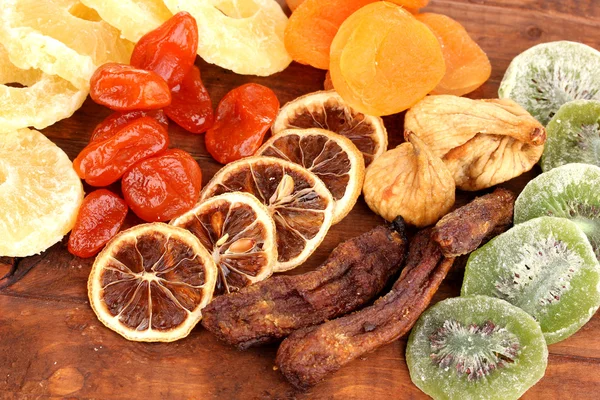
476 347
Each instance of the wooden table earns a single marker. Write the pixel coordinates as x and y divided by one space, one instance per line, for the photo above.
52 345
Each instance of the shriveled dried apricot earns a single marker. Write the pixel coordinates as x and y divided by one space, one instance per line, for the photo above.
312 27
383 60
467 66
117 120
163 187
411 4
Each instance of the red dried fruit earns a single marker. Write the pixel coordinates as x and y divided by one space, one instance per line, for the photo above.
103 162
123 88
99 219
163 187
191 107
117 120
243 117
169 50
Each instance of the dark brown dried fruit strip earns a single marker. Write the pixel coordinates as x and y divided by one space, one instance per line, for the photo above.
355 272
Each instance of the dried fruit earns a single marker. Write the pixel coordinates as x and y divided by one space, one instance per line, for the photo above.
331 157
43 99
239 233
99 219
101 163
117 120
467 66
298 201
571 191
411 4
548 75
60 37
327 84
169 50
573 135
163 187
245 36
377 60
293 4
475 348
133 18
244 116
191 106
124 88
312 27
40 193
327 110
151 282
545 266
409 181
482 142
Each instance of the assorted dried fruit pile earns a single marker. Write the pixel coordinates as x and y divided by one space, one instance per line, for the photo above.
273 202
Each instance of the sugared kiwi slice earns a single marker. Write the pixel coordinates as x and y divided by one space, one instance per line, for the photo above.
573 135
571 191
549 75
544 266
476 347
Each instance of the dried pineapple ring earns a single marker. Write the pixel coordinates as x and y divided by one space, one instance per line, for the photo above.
245 36
60 37
44 100
133 18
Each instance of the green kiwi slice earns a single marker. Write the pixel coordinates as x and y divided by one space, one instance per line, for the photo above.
549 75
544 266
573 135
476 347
571 191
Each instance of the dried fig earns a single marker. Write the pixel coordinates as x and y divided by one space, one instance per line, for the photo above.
409 181
482 142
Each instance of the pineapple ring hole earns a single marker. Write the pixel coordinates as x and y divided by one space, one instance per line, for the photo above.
79 10
237 9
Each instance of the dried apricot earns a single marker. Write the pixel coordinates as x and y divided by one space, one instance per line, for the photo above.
467 66
383 60
117 120
191 107
411 4
99 219
313 26
243 118
163 187
103 162
123 87
170 49
293 4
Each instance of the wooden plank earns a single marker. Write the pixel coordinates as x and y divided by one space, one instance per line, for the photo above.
52 345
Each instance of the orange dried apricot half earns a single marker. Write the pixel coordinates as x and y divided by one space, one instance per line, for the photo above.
467 66
312 27
383 60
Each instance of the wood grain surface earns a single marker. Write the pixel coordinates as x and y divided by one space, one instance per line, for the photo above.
52 345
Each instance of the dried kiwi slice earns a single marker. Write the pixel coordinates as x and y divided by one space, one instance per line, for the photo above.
573 135
474 348
545 266
571 191
549 75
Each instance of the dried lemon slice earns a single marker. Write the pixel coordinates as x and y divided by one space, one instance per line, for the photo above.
43 99
299 202
60 37
134 18
40 193
327 110
331 157
245 36
151 282
239 232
